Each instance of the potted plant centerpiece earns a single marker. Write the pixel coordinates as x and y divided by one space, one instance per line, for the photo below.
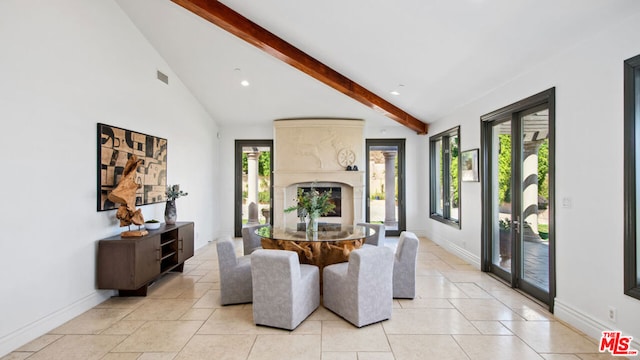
170 213
312 204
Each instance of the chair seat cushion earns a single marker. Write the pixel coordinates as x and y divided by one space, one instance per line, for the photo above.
339 269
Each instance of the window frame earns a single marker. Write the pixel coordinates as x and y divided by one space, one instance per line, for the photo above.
631 201
434 171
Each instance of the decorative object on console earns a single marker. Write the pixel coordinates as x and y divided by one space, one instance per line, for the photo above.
312 204
115 147
125 195
152 224
170 212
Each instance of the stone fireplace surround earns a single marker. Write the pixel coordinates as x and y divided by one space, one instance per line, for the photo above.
311 152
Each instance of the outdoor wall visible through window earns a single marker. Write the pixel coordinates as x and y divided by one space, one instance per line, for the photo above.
444 150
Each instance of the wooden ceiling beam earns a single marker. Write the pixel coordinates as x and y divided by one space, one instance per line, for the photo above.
231 21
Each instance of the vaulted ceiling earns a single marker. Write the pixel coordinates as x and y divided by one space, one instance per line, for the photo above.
437 54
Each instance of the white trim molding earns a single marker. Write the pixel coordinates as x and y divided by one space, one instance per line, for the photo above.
24 335
584 322
458 251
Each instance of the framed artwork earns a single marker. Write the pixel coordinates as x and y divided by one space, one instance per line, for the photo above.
469 165
115 147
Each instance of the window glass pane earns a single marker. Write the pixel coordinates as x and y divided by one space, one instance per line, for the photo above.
637 165
439 189
454 197
637 186
632 177
445 182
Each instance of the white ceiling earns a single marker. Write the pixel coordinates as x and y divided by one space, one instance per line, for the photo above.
446 53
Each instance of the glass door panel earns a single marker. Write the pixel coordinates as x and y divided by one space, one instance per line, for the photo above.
256 185
385 187
501 180
535 199
253 179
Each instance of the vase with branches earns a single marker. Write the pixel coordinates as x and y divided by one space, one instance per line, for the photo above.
170 213
312 204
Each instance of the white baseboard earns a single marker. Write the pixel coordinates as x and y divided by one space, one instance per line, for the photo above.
22 336
462 253
584 322
420 233
465 254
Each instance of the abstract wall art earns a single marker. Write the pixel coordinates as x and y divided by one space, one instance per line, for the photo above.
115 147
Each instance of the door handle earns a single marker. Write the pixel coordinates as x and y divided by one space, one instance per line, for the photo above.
516 224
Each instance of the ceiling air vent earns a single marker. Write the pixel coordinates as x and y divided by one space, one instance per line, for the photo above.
163 77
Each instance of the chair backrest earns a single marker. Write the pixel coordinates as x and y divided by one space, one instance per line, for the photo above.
250 241
226 254
378 238
277 270
407 250
369 263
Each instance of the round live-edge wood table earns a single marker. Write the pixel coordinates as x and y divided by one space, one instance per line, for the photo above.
331 244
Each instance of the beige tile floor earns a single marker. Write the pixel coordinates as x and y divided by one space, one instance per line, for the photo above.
459 313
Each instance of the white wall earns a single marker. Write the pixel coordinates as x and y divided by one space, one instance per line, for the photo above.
65 66
589 171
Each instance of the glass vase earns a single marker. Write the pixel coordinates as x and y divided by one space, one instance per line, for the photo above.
312 225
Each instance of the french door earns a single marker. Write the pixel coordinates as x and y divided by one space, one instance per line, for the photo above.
253 183
385 184
518 197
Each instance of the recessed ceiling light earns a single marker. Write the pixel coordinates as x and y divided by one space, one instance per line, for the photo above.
243 81
396 91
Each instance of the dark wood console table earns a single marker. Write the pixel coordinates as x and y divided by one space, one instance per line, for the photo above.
130 264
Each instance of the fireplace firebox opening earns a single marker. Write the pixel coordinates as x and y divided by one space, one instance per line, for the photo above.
336 198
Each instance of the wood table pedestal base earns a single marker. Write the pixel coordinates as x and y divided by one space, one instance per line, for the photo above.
319 253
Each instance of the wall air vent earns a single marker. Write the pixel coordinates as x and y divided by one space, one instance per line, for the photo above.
163 77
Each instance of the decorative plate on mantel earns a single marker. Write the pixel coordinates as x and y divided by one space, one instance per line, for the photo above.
346 157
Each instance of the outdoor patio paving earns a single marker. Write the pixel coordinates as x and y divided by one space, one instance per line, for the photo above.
536 263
